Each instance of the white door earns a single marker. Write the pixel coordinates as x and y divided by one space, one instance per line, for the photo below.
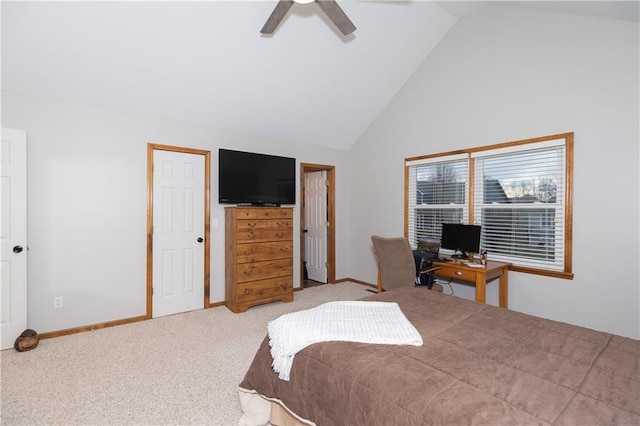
178 232
13 224
315 211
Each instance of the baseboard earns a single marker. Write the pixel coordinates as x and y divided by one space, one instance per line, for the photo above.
353 280
93 327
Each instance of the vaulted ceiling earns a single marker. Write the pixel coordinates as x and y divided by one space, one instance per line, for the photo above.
206 62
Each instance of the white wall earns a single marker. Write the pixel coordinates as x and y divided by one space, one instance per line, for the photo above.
502 75
498 76
87 205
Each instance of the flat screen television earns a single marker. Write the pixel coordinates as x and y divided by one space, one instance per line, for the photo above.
462 239
249 178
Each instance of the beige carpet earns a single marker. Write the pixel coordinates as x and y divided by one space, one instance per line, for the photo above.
181 369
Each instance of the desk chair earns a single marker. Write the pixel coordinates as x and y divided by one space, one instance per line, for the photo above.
396 264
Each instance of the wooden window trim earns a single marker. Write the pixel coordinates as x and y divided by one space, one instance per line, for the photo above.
567 273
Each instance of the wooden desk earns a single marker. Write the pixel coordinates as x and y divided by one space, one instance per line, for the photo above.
458 270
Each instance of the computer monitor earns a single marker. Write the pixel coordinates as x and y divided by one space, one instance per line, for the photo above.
460 238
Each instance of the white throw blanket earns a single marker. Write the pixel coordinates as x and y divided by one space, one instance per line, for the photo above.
352 321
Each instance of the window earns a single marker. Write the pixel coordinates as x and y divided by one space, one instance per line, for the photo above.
438 193
519 192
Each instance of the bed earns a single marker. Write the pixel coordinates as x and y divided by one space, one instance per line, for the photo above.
479 364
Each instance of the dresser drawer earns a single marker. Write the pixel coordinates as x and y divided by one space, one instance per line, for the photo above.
249 224
456 273
264 289
255 271
264 213
256 252
263 234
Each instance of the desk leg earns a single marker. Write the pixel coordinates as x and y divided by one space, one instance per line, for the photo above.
503 294
481 288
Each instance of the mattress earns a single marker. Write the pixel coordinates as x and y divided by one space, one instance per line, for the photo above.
479 364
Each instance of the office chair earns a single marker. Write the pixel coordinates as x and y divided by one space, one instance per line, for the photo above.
397 265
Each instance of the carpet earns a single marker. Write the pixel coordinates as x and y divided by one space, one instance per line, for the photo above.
179 369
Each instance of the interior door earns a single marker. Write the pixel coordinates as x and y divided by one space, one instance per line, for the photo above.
13 233
315 209
178 232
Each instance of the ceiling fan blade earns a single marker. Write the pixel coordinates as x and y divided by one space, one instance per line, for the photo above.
337 16
276 16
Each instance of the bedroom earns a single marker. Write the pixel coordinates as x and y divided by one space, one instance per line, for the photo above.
498 75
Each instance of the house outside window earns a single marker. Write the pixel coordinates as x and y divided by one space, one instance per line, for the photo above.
519 192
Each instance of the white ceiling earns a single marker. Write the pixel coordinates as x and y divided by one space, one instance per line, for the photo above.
207 63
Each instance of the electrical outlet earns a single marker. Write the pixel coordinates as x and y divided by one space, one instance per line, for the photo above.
57 302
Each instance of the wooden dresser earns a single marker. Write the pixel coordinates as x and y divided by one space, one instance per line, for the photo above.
259 256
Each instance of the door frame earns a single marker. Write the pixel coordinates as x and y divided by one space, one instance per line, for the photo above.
331 217
207 215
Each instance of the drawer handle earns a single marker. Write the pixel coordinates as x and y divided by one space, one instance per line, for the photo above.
284 286
458 272
252 236
280 224
248 271
252 224
279 234
247 291
284 249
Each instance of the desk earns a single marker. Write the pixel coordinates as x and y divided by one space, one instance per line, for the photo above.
458 270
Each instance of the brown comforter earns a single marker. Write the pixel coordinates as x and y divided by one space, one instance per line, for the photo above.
479 365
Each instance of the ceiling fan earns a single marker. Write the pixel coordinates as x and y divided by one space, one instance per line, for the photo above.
329 7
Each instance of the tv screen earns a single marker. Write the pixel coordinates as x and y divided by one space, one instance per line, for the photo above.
461 238
255 179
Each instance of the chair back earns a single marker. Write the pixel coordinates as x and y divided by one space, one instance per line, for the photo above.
396 264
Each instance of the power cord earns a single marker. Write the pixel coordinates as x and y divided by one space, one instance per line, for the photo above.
440 281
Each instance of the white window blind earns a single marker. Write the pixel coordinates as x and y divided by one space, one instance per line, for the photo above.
519 199
437 193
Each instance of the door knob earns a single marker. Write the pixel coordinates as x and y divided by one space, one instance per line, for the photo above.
17 249
200 239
